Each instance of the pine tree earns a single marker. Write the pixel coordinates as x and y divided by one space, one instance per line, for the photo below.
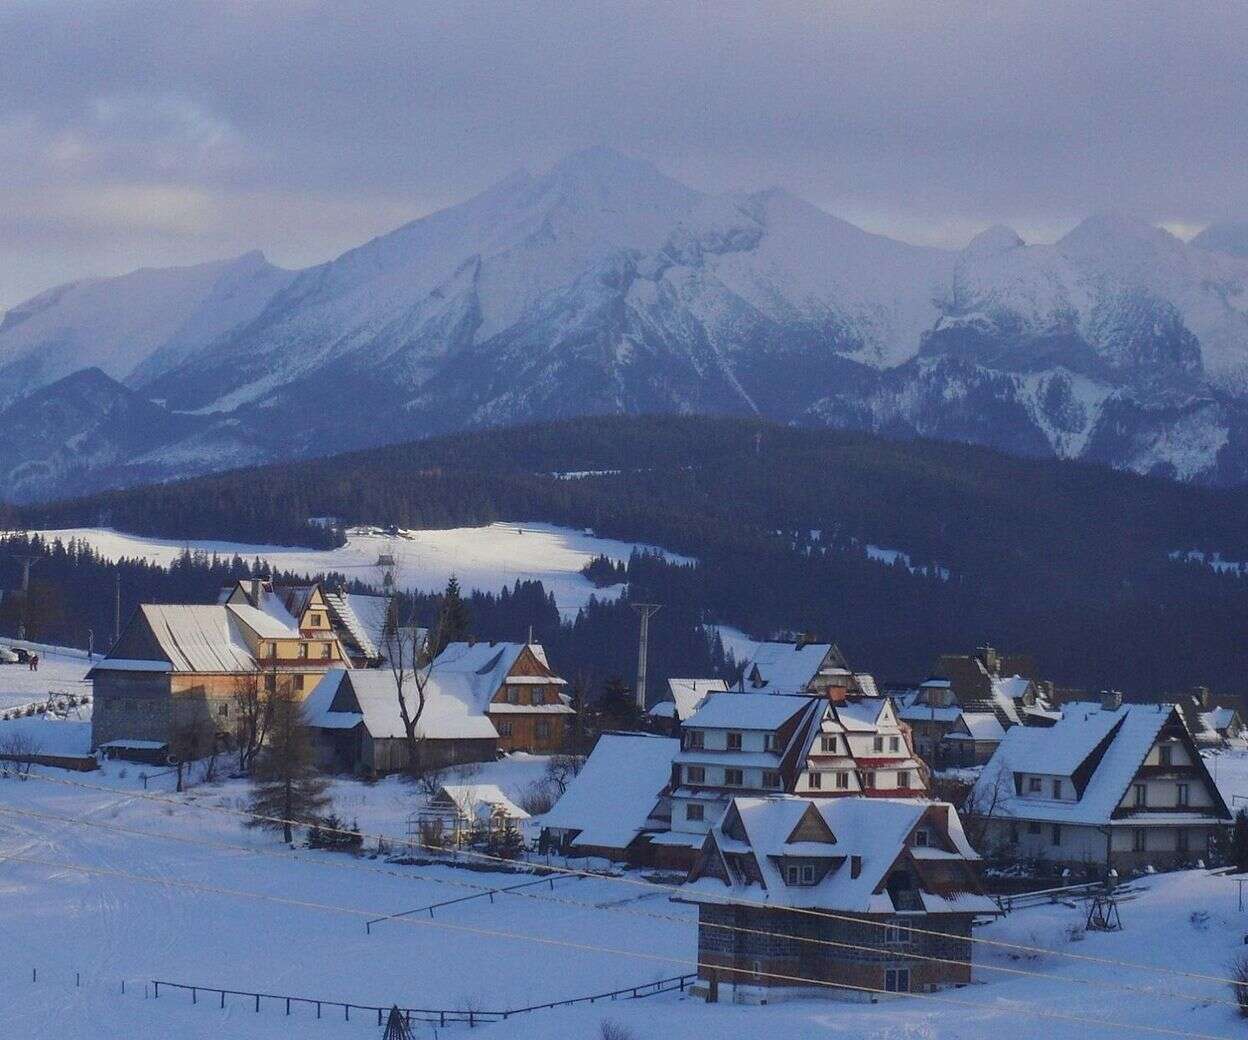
286 788
454 618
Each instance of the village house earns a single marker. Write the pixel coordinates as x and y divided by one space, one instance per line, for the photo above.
1109 786
618 801
802 669
178 666
457 813
684 696
359 622
739 743
862 897
357 726
513 686
1213 721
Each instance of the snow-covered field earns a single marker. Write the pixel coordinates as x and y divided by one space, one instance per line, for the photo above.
484 558
183 892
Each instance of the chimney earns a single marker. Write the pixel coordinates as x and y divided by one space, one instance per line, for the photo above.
838 694
990 658
255 592
1111 700
1203 697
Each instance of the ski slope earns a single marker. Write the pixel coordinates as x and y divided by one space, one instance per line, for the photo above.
482 558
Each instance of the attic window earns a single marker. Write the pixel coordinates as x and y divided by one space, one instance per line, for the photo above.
827 745
1033 785
922 838
734 741
799 874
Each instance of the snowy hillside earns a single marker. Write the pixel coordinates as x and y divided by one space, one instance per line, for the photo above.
604 286
482 558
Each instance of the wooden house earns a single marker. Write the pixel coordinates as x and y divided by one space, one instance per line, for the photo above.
458 813
885 894
178 665
513 686
358 728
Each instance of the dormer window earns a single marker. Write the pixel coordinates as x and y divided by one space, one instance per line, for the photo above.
799 874
877 744
1166 754
894 743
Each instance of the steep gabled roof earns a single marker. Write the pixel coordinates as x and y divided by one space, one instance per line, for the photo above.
364 618
199 638
746 711
617 790
343 699
686 696
784 668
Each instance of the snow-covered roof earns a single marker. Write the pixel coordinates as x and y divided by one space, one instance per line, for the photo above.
785 668
686 695
473 672
479 800
875 830
371 697
980 725
364 617
612 798
198 638
1220 719
1129 731
264 623
860 715
866 683
753 711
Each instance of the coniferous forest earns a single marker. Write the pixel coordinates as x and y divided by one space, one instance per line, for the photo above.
895 549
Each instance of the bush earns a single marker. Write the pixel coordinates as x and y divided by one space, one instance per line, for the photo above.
612 1030
539 798
1239 972
333 833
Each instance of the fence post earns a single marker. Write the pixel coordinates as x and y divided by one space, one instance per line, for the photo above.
123 987
77 979
257 1003
155 989
347 1007
34 974
194 996
288 1005
223 1000
379 1016
471 1023
318 1009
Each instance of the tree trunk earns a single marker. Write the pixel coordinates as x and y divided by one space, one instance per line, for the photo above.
287 836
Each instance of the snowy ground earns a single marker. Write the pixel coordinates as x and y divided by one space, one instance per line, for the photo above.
291 922
484 558
1230 772
60 672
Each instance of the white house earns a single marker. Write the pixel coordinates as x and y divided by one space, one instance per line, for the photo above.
802 669
1110 785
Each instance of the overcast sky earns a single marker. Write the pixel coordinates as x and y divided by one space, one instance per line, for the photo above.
174 132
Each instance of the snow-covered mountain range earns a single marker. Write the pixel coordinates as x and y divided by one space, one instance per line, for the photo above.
604 286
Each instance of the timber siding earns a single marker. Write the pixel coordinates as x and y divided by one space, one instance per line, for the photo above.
778 943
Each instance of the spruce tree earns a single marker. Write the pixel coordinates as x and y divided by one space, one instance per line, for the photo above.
454 618
286 788
1239 841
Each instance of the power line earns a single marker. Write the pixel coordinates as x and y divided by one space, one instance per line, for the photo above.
612 951
630 911
642 883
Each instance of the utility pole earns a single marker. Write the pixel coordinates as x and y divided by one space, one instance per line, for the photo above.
27 562
117 608
647 611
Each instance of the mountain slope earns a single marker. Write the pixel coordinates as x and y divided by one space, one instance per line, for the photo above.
604 286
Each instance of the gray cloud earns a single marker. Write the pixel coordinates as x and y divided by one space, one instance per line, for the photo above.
154 133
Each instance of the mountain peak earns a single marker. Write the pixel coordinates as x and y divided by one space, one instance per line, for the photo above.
1229 236
1113 226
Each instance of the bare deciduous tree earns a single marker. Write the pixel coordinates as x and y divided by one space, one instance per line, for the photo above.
191 739
982 805
19 750
252 707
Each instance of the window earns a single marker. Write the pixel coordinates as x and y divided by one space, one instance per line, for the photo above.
877 744
814 781
897 980
1166 754
268 649
1182 795
504 729
538 696
1057 789
827 745
1033 785
733 778
903 778
894 743
769 742
303 650
693 811
693 739
1181 840
922 838
513 694
316 621
771 779
1141 795
1033 827
799 874
842 780
695 774
897 934
542 729
1140 840
1056 836
734 741
868 780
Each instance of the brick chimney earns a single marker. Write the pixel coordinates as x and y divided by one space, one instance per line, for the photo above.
838 694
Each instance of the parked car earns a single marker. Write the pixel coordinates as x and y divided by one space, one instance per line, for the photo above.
8 656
